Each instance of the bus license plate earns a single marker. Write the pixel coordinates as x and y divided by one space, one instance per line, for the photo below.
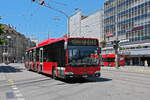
85 76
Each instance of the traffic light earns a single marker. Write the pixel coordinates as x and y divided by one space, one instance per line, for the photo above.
116 44
42 3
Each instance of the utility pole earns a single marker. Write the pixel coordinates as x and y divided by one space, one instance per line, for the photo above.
116 41
116 47
68 24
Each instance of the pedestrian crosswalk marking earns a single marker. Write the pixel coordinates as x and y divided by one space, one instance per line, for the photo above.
16 91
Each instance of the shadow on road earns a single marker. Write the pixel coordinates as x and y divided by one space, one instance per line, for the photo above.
101 79
80 80
9 69
85 80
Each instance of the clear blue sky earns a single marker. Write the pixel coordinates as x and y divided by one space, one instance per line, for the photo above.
34 20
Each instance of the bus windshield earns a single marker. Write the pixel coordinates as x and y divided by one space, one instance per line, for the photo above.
109 59
83 55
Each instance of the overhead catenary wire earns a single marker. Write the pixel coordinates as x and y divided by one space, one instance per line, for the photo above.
59 3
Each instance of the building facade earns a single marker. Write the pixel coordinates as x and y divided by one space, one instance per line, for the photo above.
87 26
129 22
14 49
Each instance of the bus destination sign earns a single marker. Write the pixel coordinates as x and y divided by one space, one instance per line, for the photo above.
83 42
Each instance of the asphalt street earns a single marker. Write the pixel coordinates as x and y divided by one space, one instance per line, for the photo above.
16 83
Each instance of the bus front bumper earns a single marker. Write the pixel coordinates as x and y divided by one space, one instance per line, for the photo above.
72 75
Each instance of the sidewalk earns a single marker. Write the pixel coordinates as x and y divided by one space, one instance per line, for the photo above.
128 68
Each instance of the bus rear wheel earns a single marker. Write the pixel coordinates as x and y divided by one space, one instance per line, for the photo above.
37 68
54 73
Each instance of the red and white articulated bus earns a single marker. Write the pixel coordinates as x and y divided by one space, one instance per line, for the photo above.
65 57
109 60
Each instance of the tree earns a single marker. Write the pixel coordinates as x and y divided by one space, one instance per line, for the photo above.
1 32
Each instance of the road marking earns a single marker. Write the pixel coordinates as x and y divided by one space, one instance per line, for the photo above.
20 99
16 91
15 88
147 70
19 95
10 95
11 81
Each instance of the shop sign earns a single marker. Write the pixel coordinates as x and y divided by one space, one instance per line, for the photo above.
124 40
109 35
137 28
124 52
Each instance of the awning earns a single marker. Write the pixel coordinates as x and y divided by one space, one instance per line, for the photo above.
139 52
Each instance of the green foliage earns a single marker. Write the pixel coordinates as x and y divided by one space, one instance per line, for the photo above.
1 29
1 32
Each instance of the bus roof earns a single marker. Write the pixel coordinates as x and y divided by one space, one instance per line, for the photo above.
45 42
49 41
52 40
30 48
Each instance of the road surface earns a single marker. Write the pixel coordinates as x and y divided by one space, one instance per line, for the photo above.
16 83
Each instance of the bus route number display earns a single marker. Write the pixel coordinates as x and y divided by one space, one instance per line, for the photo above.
82 42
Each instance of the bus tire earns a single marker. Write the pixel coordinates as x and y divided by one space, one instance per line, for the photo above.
37 68
53 73
40 70
28 68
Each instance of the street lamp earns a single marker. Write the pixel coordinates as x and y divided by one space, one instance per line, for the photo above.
43 3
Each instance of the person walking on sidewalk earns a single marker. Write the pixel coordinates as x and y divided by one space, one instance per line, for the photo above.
145 63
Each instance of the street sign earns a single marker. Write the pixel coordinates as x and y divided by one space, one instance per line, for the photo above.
124 40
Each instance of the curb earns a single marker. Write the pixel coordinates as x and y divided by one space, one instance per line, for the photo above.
131 68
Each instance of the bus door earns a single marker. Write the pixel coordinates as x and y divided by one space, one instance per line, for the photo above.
31 59
41 59
34 59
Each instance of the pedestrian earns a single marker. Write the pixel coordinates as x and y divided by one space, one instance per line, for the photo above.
145 63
